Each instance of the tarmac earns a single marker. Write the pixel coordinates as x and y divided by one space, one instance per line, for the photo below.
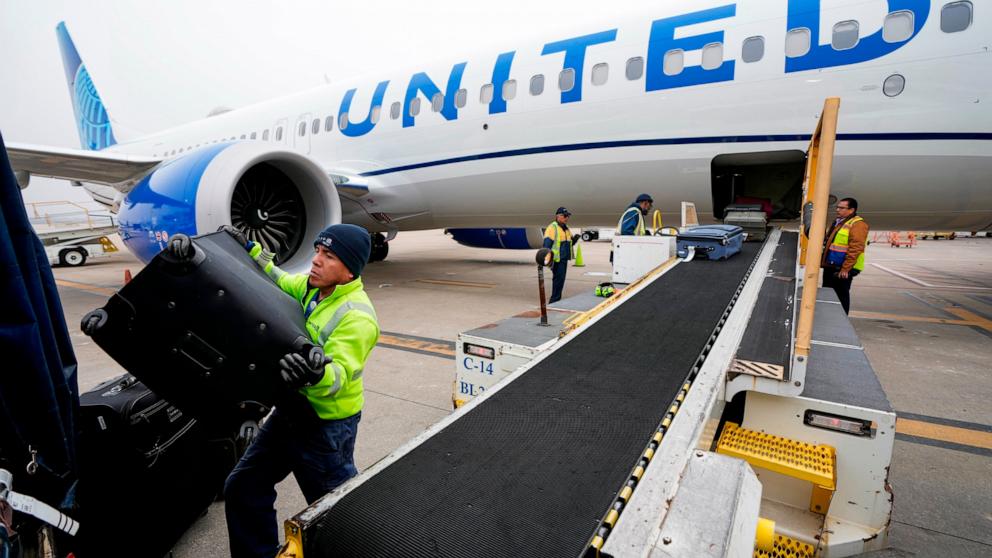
924 316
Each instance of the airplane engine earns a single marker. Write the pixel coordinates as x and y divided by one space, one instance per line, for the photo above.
278 198
507 238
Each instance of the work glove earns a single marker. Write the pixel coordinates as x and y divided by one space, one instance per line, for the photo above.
237 235
180 247
299 372
575 238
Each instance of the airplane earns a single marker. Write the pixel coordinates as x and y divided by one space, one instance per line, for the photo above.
710 102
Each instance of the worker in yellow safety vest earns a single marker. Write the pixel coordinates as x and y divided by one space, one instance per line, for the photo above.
844 256
313 434
559 239
632 220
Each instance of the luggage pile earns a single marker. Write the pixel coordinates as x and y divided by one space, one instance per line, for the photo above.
202 336
753 218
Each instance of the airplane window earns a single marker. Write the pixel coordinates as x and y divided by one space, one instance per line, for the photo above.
303 128
753 49
674 62
253 135
329 123
712 56
394 110
845 35
509 89
566 79
461 98
415 106
600 73
279 133
265 135
376 112
635 68
437 102
955 17
898 26
893 85
537 84
486 94
315 126
797 42
343 121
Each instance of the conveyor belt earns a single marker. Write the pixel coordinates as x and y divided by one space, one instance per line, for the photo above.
766 348
532 470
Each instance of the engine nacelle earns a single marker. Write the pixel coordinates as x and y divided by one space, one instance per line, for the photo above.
277 197
506 238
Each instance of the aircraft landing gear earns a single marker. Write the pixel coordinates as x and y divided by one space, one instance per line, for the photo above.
380 247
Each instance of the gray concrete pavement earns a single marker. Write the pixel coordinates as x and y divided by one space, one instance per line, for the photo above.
434 288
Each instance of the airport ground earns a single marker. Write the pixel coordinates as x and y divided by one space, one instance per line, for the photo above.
924 315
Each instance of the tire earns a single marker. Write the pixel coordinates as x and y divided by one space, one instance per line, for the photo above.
586 236
73 257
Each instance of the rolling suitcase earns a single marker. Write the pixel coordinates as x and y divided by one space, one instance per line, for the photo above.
716 242
205 332
148 471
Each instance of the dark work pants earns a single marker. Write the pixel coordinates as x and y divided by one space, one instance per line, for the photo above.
840 286
320 453
558 272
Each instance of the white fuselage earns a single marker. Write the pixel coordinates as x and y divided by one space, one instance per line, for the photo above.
918 159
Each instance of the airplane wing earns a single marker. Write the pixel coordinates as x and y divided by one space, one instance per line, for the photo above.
117 170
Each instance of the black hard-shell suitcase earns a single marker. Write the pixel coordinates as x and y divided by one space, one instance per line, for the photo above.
147 470
206 333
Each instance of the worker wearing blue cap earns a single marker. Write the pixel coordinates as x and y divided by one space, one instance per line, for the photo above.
559 239
314 436
632 220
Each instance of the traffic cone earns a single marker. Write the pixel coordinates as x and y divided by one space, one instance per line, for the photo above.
578 256
127 276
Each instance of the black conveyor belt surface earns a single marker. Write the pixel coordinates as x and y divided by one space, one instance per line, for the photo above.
532 470
768 337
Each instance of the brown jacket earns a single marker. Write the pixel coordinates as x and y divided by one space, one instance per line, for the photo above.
856 241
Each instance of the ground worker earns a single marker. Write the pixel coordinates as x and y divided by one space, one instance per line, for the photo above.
844 256
559 239
632 220
313 436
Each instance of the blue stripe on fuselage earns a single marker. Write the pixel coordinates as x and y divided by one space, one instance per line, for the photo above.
898 136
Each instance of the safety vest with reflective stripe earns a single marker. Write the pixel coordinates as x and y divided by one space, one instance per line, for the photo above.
555 233
837 251
639 229
345 325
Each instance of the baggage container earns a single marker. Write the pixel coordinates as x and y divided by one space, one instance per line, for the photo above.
148 470
206 333
715 242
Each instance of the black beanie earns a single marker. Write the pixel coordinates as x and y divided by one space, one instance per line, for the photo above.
350 243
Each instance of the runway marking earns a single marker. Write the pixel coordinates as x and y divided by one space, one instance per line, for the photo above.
414 344
449 282
972 317
902 318
946 433
925 284
85 287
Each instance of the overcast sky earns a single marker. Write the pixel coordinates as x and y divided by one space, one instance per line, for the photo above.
158 64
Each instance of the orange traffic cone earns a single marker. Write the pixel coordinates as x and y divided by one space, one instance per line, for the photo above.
127 276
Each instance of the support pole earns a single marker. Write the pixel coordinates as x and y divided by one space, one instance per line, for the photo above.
822 148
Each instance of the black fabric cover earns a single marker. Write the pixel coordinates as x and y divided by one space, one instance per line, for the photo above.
532 470
38 390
